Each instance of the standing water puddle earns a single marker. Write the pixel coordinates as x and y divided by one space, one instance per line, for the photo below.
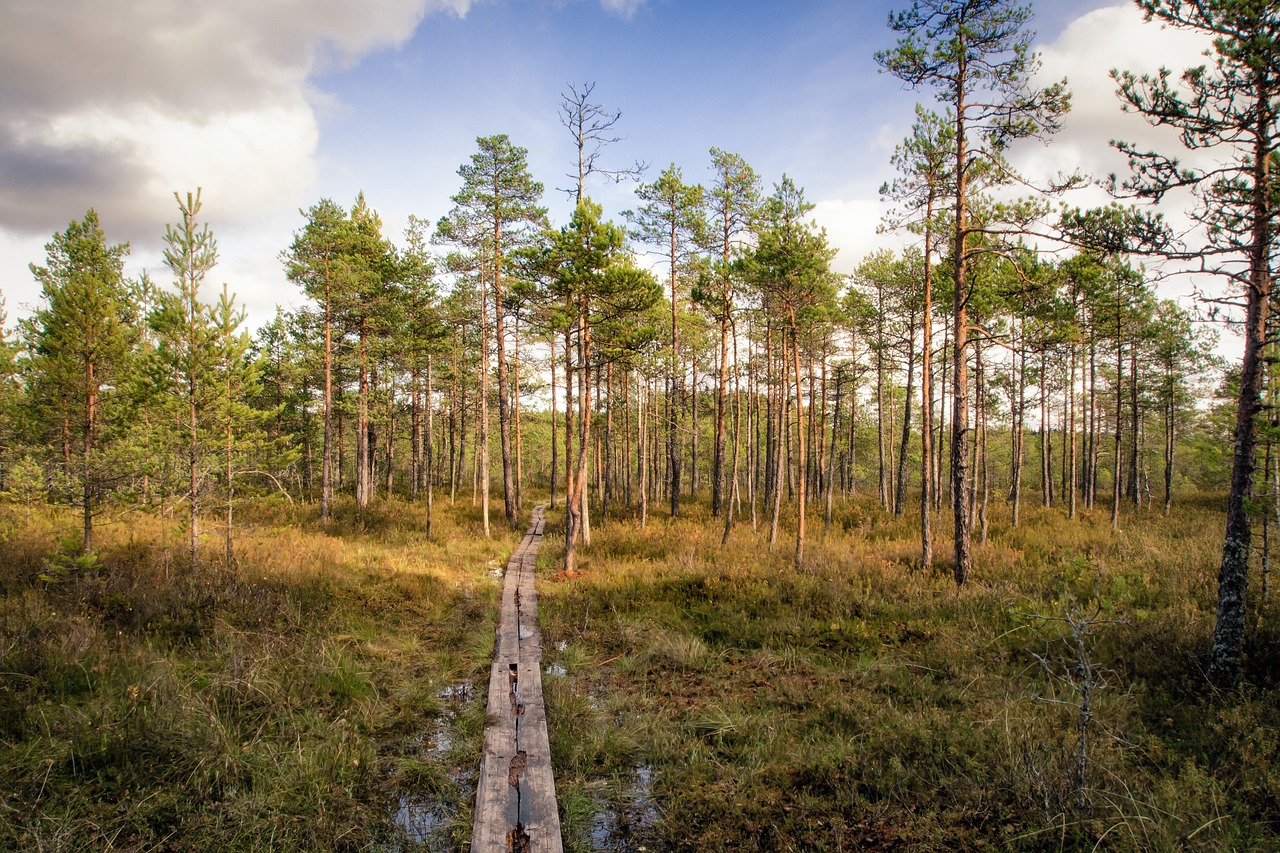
424 816
628 819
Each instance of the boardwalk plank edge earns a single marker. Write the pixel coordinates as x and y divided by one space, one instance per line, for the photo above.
516 796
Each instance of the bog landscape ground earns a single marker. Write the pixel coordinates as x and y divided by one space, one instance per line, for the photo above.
326 691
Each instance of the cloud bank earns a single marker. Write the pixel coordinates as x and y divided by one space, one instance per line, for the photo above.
119 104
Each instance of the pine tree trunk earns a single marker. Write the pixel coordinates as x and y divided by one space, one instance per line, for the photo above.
362 423
960 385
1019 366
782 405
429 480
831 458
642 444
326 463
900 493
1046 452
737 442
1168 439
509 501
555 438
693 420
481 453
1072 464
926 396
800 438
577 501
1233 576
1115 470
568 417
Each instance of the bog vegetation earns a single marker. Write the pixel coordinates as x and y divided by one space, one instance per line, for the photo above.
932 556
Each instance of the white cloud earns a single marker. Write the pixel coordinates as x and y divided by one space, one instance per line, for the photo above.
118 104
624 9
851 227
1085 52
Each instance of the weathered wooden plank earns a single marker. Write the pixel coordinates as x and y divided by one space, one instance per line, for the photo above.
516 792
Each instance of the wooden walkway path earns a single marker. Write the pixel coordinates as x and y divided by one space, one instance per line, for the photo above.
516 797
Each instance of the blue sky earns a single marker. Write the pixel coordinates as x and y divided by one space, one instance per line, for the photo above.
776 82
272 104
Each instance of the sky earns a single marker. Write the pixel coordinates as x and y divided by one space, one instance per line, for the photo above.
271 105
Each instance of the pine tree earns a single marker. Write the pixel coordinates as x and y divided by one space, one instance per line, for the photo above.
732 205
316 261
791 264
246 445
493 212
673 219
594 275
976 54
188 356
1230 107
924 161
82 339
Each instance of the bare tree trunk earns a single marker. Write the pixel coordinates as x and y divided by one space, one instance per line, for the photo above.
642 445
429 482
555 444
326 464
900 493
577 501
1115 472
800 438
515 415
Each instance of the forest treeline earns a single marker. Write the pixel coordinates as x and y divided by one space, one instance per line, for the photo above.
1018 351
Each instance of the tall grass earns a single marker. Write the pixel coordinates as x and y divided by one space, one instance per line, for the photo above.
864 704
287 702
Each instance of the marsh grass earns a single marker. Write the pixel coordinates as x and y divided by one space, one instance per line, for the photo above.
864 704
288 702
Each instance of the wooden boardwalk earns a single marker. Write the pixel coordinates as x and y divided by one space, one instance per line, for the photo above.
516 796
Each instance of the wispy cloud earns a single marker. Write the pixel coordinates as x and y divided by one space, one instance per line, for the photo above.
625 9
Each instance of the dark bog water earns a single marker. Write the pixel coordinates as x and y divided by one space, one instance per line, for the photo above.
628 816
423 818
